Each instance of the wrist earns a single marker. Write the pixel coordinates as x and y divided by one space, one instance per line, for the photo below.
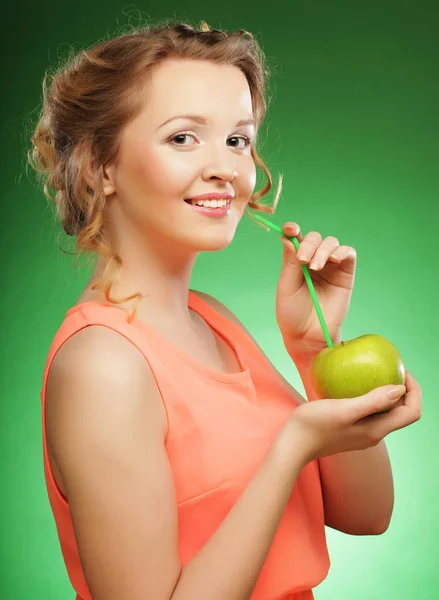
303 352
289 448
304 368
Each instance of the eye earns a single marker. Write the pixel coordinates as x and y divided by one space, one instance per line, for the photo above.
240 138
180 138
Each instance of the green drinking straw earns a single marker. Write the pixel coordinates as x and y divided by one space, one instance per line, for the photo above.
307 278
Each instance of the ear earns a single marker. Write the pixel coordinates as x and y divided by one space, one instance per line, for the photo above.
108 177
106 173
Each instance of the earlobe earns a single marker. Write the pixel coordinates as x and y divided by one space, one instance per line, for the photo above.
108 190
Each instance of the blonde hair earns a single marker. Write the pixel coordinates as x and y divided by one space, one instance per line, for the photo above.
95 94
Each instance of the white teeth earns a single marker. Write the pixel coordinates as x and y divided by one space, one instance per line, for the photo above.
210 203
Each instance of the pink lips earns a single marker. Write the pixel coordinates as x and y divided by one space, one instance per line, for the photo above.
212 196
221 211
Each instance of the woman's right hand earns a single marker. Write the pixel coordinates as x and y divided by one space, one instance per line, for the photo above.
330 426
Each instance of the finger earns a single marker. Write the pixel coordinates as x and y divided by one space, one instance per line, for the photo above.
402 415
308 247
411 384
371 403
323 252
342 253
291 275
410 381
292 229
413 397
346 256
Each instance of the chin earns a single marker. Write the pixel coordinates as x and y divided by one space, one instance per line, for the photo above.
212 243
214 247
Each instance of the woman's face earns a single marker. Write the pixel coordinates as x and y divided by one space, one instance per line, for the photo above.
166 157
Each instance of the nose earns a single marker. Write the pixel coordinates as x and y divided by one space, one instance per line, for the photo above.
220 165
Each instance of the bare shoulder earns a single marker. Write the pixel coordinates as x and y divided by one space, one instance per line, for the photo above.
222 309
103 365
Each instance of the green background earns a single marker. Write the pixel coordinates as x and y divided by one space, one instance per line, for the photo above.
354 127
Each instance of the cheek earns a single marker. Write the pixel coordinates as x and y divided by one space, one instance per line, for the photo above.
156 174
247 177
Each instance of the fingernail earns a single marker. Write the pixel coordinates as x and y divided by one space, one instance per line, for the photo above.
397 391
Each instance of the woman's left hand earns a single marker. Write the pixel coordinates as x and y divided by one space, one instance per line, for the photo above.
333 280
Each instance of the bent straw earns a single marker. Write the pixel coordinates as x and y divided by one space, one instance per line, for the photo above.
307 277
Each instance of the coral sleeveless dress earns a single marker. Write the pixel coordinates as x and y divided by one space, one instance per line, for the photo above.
219 428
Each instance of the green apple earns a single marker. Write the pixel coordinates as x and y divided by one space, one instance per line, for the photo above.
355 367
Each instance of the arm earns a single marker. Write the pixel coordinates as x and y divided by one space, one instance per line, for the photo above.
106 428
357 486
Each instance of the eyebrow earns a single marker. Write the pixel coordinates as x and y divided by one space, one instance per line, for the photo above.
203 121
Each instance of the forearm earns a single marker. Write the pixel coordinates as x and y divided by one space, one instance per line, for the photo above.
357 486
228 565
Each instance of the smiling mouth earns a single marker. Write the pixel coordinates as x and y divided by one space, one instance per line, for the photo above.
209 203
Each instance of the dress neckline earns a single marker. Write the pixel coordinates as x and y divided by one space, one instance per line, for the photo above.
220 324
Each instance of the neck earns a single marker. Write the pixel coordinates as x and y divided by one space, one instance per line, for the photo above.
162 277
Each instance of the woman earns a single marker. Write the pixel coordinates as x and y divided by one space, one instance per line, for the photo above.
179 463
